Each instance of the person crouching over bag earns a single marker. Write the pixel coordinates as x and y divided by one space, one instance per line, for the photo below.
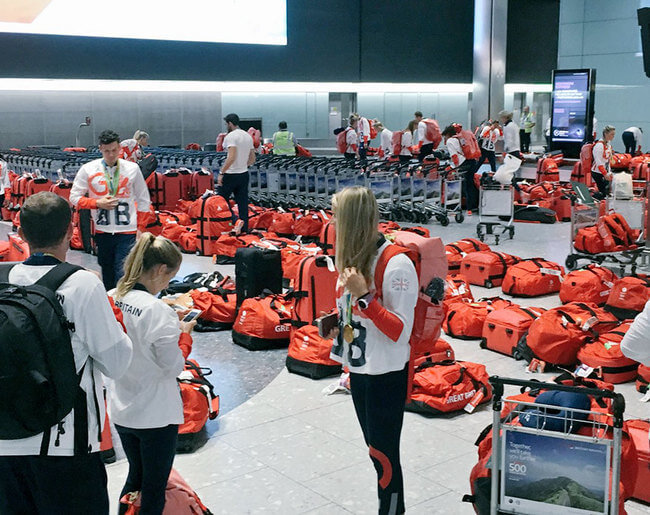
145 403
373 333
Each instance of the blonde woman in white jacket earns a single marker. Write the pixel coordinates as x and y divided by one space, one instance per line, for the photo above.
373 335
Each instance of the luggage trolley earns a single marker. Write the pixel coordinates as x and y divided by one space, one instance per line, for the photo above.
452 198
498 201
585 212
382 185
540 468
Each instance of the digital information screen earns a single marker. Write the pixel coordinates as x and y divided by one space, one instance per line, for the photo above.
214 21
572 109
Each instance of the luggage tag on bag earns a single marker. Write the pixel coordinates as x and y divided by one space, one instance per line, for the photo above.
608 345
605 293
474 401
322 212
584 371
550 271
330 264
646 397
608 284
589 323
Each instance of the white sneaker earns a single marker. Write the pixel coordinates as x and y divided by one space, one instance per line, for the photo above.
239 225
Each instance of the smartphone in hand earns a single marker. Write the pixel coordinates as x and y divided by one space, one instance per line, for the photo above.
193 314
326 324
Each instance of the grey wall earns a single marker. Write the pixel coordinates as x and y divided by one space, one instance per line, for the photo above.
52 117
605 35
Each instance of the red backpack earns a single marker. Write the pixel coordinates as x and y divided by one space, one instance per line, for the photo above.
616 233
433 133
628 296
342 140
220 137
309 354
256 135
396 142
180 499
557 335
486 268
605 356
200 404
327 238
468 144
314 288
447 386
532 278
587 157
590 284
263 323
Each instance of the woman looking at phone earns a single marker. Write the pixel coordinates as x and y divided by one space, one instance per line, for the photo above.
145 403
372 338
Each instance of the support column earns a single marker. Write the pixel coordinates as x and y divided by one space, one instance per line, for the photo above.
490 36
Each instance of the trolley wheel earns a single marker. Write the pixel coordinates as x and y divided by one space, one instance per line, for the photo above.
511 232
459 217
571 262
444 220
488 284
496 239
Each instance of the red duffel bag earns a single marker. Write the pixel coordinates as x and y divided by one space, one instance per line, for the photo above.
263 323
590 284
533 278
457 250
605 356
219 308
628 296
448 386
465 320
589 241
486 268
309 354
557 335
187 240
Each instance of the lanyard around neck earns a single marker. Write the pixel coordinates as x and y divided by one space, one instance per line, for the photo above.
112 181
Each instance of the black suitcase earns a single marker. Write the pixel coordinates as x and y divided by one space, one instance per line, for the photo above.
257 270
86 229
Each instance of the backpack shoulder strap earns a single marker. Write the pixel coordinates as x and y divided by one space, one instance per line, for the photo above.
389 252
57 276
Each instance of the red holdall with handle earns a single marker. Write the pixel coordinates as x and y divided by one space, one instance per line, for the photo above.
558 334
314 288
532 278
486 268
628 296
457 250
592 283
18 248
547 170
219 307
215 218
503 328
187 240
227 245
263 322
620 161
200 404
309 223
589 240
642 378
436 351
180 499
283 223
605 356
464 320
448 386
309 354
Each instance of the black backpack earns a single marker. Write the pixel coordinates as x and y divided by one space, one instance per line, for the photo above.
39 385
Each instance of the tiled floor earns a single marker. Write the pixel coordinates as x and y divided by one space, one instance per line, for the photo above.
291 449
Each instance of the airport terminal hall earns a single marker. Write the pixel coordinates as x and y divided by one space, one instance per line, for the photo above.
325 257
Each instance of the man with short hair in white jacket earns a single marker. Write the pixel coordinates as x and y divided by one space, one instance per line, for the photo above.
511 141
116 193
60 470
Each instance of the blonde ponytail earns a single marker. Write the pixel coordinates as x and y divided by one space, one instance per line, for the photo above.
148 252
